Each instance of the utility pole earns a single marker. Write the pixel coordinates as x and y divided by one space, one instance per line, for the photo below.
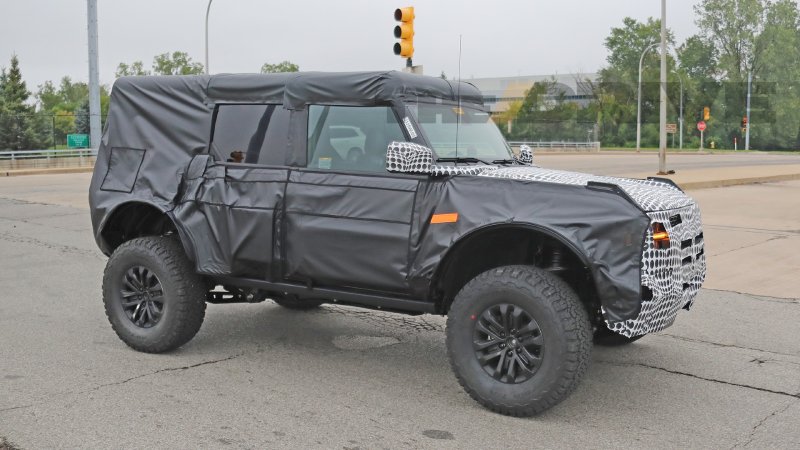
749 93
208 11
662 148
95 130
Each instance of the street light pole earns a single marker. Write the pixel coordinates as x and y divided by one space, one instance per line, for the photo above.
639 100
95 122
662 150
749 93
680 119
208 10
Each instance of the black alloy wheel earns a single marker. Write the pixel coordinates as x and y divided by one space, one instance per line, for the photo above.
152 295
142 296
508 343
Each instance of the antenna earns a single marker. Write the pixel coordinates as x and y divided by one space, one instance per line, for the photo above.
458 96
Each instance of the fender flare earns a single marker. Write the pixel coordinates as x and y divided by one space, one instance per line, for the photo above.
443 263
104 246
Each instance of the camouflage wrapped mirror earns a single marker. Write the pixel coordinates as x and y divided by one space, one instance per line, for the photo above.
525 155
407 157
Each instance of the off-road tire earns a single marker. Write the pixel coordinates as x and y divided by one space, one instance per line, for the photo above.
298 304
183 294
607 338
564 326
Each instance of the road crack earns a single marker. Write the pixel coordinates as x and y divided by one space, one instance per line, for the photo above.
775 238
691 375
718 344
752 436
64 249
781 300
51 397
168 369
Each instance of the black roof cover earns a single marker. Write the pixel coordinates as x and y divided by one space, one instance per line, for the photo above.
296 90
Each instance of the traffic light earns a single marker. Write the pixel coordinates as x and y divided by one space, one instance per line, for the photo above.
706 113
405 32
744 123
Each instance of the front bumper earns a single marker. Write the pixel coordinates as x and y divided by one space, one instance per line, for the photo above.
670 277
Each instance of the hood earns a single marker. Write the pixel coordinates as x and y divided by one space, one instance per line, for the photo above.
651 195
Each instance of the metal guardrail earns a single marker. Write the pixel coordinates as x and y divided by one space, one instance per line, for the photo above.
557 145
13 155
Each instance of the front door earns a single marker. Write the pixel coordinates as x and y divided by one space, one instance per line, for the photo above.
348 221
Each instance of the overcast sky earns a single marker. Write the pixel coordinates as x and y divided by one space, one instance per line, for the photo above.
500 38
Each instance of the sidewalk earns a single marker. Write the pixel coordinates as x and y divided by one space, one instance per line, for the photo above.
729 176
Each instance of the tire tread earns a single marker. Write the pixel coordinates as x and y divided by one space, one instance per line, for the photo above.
571 312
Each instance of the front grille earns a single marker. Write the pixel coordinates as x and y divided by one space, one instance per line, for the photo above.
671 277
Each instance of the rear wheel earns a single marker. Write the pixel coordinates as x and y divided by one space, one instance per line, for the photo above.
153 298
607 338
519 340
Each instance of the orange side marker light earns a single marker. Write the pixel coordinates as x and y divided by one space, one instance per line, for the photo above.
444 218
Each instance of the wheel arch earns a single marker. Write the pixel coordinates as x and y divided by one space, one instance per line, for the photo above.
533 245
138 218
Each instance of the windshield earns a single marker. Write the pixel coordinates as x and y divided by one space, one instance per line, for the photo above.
478 137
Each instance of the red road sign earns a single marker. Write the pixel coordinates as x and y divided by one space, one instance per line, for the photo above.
701 126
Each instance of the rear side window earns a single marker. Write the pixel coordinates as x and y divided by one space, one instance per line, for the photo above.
251 134
351 137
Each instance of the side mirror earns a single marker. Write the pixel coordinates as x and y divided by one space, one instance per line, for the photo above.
407 157
525 155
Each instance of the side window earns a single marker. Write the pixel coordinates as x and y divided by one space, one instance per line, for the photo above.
351 137
252 134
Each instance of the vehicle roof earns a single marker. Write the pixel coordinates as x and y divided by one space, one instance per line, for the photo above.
295 90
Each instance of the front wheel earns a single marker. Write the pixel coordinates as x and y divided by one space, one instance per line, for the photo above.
519 340
153 298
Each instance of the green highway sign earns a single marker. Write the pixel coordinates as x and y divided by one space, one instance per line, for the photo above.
77 141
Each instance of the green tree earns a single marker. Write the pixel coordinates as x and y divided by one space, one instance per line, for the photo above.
617 88
61 105
776 104
20 128
133 69
82 121
283 66
733 27
177 63
547 115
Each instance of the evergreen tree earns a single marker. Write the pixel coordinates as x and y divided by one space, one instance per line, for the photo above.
82 119
20 128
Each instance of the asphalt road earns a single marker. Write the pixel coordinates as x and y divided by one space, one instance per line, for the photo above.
726 375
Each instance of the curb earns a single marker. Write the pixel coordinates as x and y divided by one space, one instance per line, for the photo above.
711 184
59 170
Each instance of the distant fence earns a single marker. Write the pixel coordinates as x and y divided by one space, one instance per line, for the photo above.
558 146
33 159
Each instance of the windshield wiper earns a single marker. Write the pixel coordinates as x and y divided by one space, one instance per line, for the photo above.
463 159
505 162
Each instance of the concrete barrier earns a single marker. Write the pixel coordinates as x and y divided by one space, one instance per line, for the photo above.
46 163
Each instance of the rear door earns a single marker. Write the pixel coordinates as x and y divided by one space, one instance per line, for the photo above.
348 221
233 200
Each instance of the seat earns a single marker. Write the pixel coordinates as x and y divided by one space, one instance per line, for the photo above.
374 158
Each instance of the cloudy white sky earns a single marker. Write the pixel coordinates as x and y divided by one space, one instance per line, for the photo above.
500 38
